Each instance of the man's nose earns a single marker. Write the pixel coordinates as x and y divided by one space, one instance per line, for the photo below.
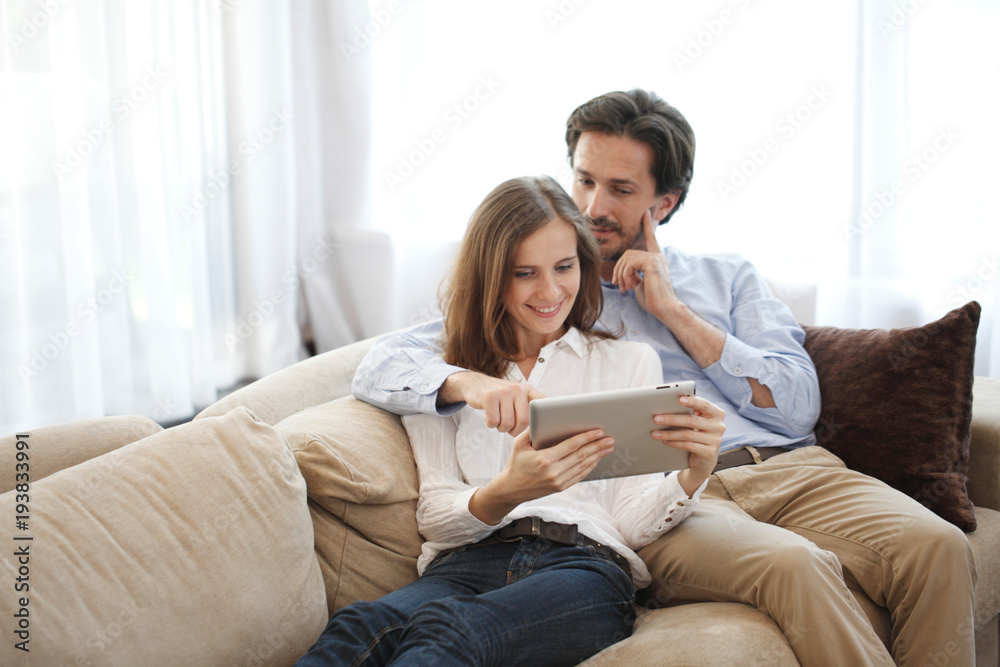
597 207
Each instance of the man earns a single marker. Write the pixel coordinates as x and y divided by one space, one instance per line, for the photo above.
782 524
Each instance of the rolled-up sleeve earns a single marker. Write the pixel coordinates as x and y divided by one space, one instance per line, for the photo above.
766 345
403 372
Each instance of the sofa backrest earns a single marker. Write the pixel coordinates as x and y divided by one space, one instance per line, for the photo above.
308 383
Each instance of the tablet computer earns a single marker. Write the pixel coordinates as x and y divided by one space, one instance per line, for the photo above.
624 414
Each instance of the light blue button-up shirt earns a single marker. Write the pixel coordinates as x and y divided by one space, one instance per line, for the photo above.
402 372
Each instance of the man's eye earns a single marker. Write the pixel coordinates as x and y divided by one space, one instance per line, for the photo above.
624 192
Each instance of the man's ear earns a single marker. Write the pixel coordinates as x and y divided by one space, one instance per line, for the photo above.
664 204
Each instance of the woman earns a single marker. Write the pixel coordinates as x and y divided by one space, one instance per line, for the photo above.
523 564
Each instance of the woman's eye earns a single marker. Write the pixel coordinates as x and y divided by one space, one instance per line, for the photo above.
522 274
564 268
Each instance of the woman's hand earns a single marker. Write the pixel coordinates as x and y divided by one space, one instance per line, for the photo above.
700 434
532 473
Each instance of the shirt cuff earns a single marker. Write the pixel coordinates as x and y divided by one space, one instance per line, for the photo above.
416 393
738 362
676 501
470 525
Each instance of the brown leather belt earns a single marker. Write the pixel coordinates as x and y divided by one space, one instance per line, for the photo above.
558 533
742 456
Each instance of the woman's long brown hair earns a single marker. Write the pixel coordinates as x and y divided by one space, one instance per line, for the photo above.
477 333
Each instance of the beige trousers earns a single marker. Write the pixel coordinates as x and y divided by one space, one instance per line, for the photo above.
790 536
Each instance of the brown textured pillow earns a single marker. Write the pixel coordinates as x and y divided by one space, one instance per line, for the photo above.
897 405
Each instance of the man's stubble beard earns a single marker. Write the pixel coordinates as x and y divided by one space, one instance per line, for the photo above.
611 253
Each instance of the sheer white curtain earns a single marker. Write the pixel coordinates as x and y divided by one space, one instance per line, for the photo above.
923 235
175 180
807 116
191 189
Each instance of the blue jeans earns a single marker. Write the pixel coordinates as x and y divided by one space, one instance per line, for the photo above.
517 603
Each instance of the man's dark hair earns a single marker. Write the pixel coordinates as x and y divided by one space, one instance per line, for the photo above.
643 116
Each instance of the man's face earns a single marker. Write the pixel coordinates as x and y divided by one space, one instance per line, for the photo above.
613 186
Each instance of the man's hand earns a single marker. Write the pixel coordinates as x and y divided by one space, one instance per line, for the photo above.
655 293
653 289
504 402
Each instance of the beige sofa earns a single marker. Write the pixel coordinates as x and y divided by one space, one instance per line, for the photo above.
229 539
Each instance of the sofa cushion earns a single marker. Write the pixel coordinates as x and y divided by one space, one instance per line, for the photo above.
308 383
359 470
985 543
897 405
707 634
61 446
355 568
984 449
193 547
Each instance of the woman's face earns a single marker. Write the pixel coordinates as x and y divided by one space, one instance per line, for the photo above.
545 280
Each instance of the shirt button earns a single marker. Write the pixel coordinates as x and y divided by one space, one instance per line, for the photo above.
541 360
738 370
635 332
668 520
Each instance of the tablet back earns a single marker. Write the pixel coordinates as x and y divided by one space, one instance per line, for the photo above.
624 414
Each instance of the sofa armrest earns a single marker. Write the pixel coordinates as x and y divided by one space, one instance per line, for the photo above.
310 382
984 451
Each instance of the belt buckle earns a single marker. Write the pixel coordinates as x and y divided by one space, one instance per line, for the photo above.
536 526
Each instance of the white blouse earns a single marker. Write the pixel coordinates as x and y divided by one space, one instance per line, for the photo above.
457 454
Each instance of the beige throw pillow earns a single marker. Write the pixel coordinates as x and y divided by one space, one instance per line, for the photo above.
363 486
194 547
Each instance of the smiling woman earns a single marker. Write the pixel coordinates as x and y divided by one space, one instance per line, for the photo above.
539 267
545 281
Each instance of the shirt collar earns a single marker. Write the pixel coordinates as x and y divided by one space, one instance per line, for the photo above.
574 339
